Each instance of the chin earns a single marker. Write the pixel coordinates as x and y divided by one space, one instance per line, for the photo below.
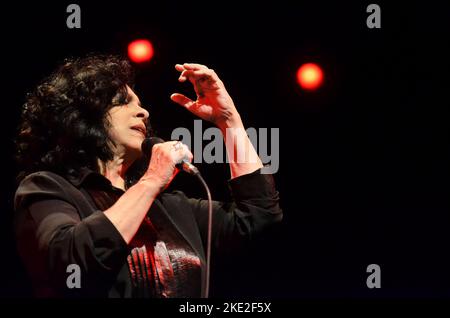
134 146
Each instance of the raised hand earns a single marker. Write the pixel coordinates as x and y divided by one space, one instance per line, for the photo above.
213 102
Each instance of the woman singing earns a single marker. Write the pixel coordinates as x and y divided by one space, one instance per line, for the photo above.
88 201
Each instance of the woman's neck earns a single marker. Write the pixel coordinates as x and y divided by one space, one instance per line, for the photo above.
114 171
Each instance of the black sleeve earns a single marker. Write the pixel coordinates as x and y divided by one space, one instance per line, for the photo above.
255 206
51 236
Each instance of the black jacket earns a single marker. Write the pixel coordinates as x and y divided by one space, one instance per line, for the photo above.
58 223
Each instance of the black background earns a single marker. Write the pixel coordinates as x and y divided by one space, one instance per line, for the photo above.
363 174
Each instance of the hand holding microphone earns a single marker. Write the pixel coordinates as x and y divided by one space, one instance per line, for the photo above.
166 159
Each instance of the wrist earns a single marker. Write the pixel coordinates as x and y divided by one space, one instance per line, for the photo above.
233 121
152 185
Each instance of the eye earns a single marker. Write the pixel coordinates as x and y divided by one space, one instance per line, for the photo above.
121 99
127 99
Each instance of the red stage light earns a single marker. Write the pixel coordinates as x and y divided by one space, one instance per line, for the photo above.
140 51
310 76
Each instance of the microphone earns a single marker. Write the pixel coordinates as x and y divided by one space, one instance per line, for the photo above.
184 165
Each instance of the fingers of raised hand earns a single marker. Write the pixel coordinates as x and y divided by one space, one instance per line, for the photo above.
192 66
182 100
195 72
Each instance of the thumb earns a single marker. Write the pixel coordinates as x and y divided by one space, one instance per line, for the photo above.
182 100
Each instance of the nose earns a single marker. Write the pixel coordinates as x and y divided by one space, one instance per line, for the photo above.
143 113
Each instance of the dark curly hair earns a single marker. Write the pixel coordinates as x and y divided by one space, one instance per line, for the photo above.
64 126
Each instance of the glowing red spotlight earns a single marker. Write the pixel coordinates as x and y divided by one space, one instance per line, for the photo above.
140 51
310 76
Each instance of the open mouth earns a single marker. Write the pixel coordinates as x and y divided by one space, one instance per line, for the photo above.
141 129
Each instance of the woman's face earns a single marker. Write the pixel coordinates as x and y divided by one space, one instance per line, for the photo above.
128 126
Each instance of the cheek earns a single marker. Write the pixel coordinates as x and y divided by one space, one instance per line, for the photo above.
115 134
117 121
